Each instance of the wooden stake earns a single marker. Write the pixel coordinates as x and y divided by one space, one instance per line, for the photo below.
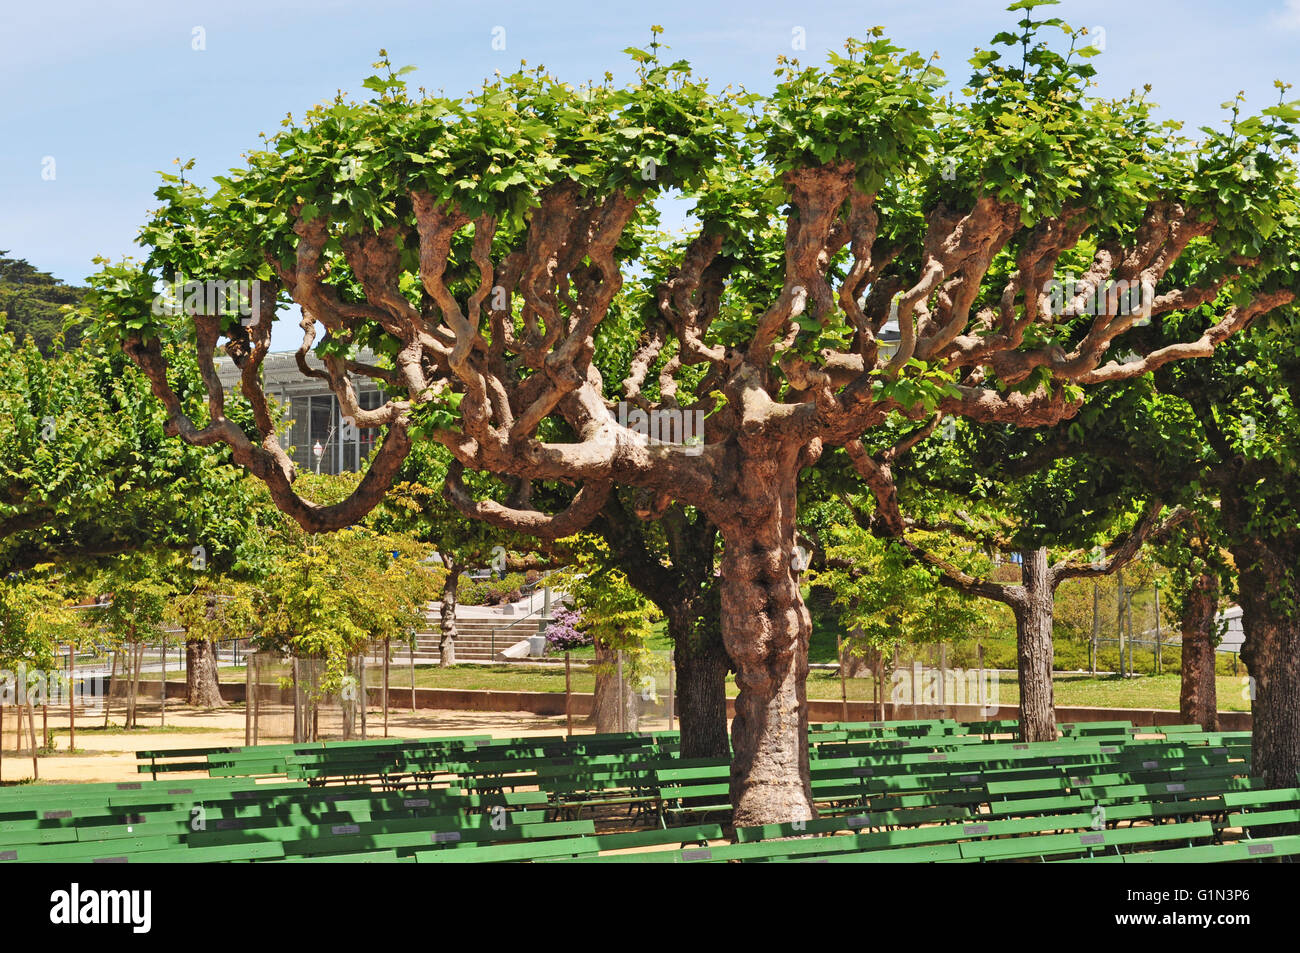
72 698
31 728
248 699
162 692
568 694
844 692
387 651
672 688
112 678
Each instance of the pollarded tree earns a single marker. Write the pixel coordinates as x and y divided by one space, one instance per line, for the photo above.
1220 435
960 501
1201 578
478 244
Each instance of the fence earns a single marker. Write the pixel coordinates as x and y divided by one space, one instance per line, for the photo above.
292 699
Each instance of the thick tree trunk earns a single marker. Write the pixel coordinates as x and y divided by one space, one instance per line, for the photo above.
1271 651
615 707
202 688
1034 649
766 627
1198 698
855 657
702 664
447 635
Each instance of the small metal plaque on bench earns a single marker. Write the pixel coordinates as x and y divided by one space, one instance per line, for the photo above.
936 757
863 772
129 786
54 815
416 802
1220 750
180 790
975 829
1056 760
1175 788
243 795
968 778
345 829
1109 749
1254 849
1020 747
8 855
1150 764
861 820
1092 838
698 853
445 837
109 860
232 824
875 724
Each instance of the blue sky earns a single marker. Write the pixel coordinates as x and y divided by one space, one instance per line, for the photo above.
112 92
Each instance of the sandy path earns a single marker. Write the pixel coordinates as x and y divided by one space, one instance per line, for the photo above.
111 755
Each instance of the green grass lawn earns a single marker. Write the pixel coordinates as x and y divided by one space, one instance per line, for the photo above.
1103 691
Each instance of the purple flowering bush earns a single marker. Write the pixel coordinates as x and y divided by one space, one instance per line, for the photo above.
565 631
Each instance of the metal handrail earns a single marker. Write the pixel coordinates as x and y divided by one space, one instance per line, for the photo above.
539 612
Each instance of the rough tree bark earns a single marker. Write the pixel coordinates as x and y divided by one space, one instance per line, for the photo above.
701 664
1034 613
766 628
685 589
614 707
202 688
1271 652
1198 695
447 623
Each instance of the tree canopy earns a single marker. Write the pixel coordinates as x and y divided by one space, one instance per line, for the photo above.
481 246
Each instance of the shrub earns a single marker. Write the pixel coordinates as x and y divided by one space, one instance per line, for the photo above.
565 631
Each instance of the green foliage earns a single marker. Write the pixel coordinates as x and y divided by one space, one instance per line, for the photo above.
35 305
338 592
144 595
872 108
87 470
887 599
614 613
35 621
493 591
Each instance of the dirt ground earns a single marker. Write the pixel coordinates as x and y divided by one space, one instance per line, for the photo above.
111 755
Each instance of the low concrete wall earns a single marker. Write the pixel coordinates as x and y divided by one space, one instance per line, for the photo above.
823 710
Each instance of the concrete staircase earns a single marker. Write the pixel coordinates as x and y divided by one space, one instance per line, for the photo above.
477 640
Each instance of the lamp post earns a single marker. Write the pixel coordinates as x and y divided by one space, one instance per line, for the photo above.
319 452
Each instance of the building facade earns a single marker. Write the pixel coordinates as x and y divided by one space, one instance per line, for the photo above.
315 435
